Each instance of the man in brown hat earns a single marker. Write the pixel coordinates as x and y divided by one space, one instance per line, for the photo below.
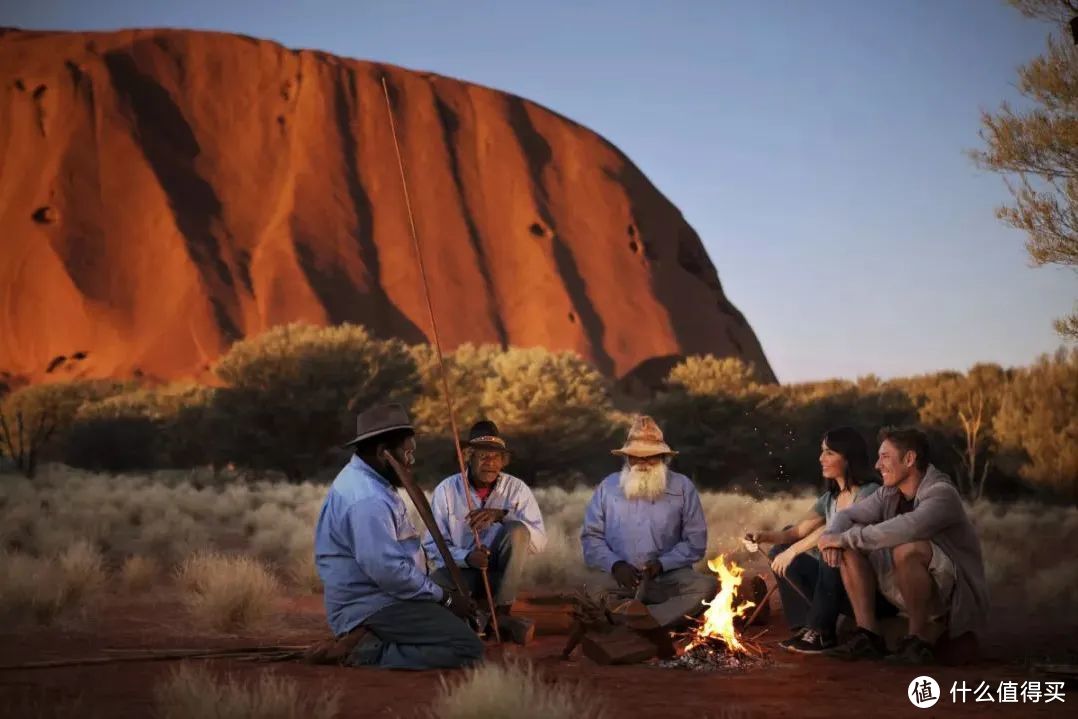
645 524
505 515
380 602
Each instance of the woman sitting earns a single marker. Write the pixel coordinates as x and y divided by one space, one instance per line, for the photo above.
794 557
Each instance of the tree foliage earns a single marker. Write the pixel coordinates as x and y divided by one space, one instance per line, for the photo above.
291 394
1038 417
33 417
1036 149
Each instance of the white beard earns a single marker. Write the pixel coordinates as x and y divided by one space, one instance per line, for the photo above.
643 482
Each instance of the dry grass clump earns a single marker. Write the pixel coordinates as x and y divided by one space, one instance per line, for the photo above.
227 593
193 693
513 689
46 589
139 573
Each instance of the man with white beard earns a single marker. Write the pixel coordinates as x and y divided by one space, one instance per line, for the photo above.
645 524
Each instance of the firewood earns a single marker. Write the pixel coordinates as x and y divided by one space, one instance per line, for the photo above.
620 645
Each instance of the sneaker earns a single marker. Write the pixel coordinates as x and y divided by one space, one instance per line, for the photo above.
796 636
913 650
812 642
864 644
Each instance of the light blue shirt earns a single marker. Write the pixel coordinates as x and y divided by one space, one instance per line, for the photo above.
366 549
451 511
671 529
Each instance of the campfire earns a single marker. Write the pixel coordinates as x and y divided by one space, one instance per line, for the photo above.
715 643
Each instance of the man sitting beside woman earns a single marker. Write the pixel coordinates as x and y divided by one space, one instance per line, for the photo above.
795 559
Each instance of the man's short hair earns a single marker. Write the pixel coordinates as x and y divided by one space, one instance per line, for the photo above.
392 439
908 439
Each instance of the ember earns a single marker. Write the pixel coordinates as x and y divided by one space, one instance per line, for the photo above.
714 644
714 657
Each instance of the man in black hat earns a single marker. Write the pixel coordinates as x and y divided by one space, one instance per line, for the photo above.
380 603
505 515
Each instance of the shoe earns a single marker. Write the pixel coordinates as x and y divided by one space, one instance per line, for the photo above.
864 644
913 650
798 633
812 642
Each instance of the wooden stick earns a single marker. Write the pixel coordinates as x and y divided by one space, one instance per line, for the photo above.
762 604
438 352
158 656
788 581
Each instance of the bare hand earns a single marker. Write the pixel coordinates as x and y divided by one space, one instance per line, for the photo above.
460 604
829 541
781 564
653 568
626 575
480 519
478 558
833 557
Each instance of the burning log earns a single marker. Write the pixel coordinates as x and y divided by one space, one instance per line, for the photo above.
619 645
714 643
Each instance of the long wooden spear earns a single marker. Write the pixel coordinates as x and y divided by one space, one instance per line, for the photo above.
438 352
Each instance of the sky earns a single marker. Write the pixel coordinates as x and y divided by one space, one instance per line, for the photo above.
818 148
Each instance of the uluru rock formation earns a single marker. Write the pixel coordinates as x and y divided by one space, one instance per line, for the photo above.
165 192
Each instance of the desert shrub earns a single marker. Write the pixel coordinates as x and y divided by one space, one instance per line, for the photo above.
708 375
32 418
554 408
225 593
139 573
513 689
144 428
44 589
292 392
191 692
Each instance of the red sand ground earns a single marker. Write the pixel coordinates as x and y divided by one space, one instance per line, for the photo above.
792 686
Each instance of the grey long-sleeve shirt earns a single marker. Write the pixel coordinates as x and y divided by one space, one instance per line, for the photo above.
939 516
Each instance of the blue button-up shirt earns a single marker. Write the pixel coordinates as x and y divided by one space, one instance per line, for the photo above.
671 529
367 550
450 509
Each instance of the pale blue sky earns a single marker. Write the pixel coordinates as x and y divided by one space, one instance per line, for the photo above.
817 147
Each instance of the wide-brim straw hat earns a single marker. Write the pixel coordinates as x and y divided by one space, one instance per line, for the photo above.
645 440
379 420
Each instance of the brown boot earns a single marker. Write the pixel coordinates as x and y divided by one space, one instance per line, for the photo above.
519 629
335 650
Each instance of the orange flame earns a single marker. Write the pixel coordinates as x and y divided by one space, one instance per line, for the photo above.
718 622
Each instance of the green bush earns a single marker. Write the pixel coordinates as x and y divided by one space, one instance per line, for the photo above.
291 393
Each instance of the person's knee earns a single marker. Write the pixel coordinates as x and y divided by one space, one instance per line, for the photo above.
912 554
706 586
470 649
517 533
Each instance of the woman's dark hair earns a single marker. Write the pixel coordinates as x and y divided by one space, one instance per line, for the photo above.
849 443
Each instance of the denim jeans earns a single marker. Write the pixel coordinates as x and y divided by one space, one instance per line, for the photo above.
508 555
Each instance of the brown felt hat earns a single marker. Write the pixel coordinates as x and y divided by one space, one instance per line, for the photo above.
379 420
484 434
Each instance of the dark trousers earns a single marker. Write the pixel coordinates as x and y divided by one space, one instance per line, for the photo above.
508 555
822 584
417 635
